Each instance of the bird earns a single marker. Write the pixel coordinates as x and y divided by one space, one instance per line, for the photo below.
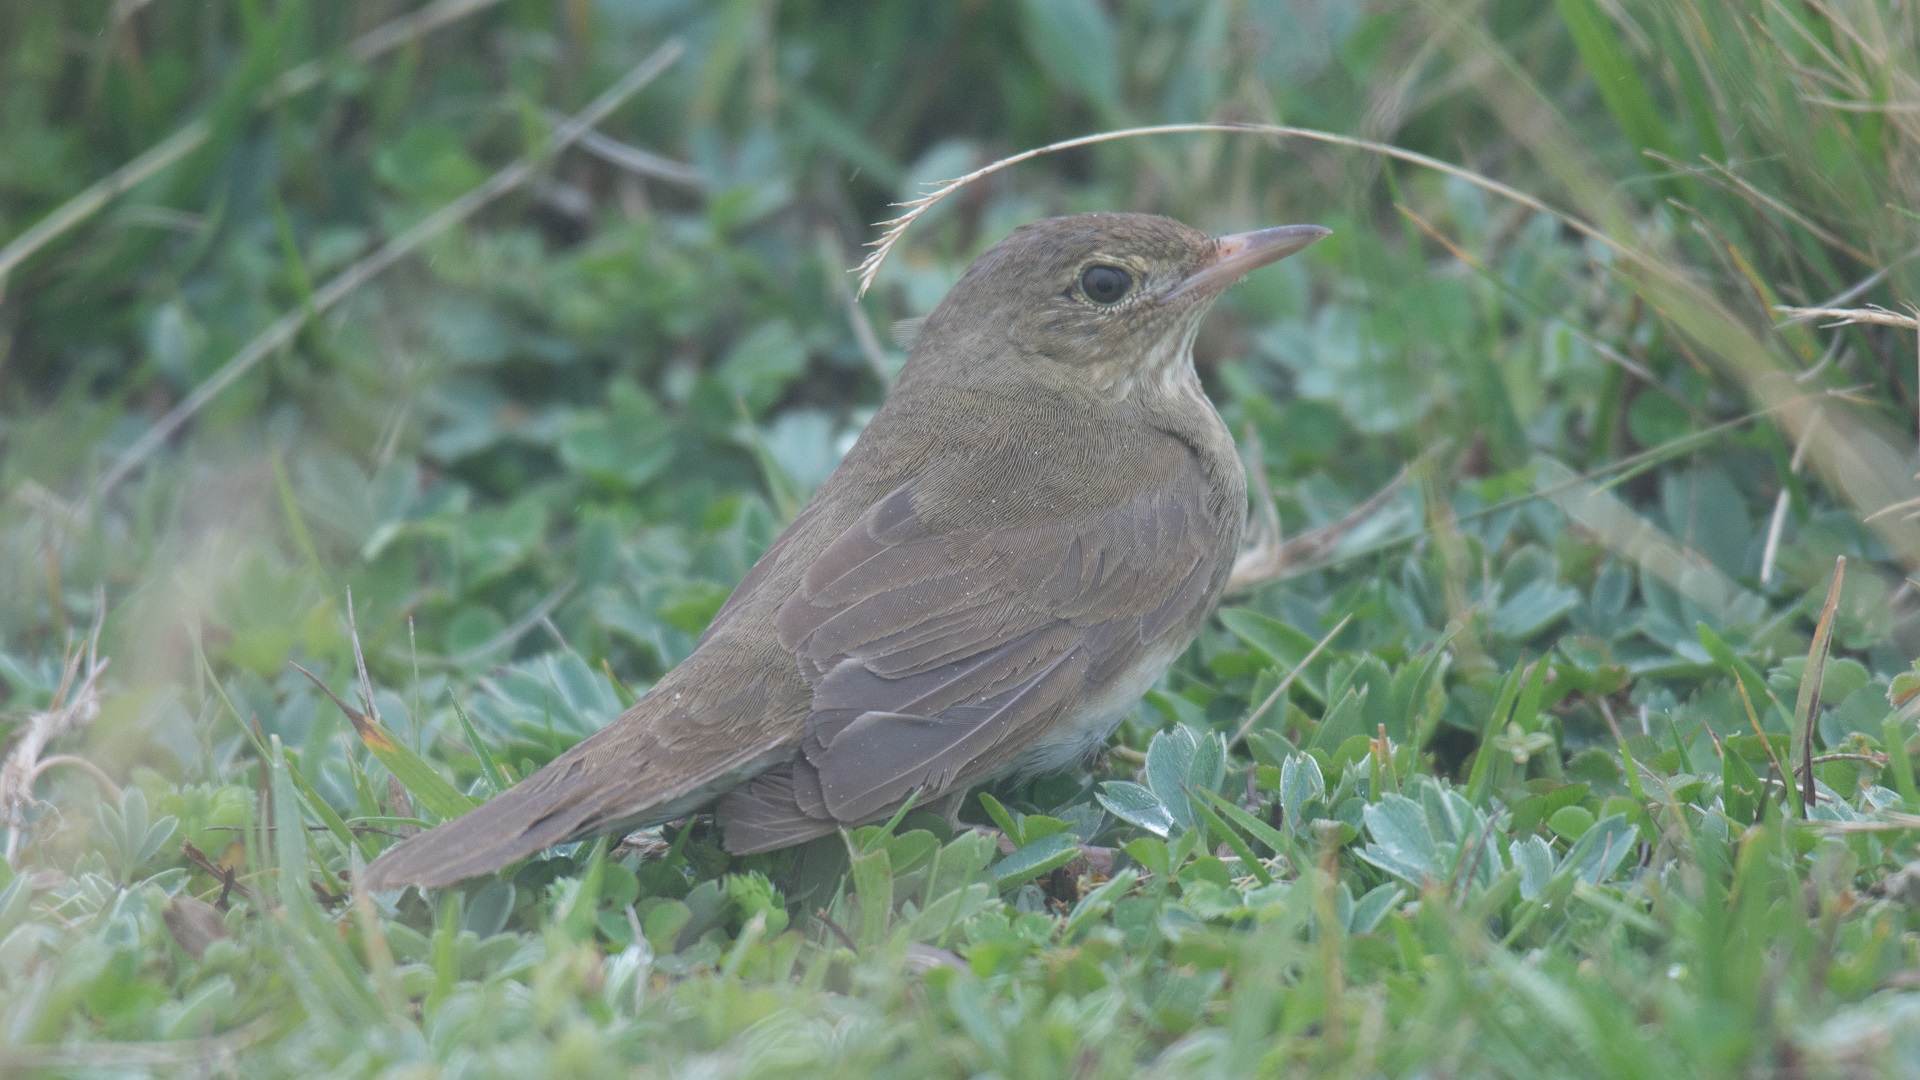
1033 526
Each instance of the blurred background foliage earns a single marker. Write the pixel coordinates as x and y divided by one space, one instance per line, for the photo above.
539 452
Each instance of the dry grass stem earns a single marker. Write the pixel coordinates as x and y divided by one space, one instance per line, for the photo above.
635 160
1873 314
185 141
75 704
507 637
1286 683
1271 557
896 227
342 285
1781 502
1807 709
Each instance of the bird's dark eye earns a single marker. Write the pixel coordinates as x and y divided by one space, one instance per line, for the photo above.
1105 284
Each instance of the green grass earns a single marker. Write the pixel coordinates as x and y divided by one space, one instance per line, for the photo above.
1534 809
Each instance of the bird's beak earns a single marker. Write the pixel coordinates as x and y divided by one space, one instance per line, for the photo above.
1247 251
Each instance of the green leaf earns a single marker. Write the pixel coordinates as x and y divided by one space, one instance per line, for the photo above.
626 446
579 915
1402 843
1532 609
1136 805
1894 733
1532 810
1570 823
1601 849
16 902
489 768
1001 816
1345 721
662 923
1740 790
1280 644
1735 665
1905 687
322 809
1150 853
1098 902
489 908
1300 783
1274 839
1482 775
1171 757
1043 856
421 781
757 370
1075 43
428 164
1373 907
1533 857
289 833
1232 839
873 883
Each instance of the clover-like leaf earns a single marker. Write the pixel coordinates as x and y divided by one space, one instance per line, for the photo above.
1533 857
129 835
1169 763
1300 783
1601 849
1402 843
1136 805
1362 915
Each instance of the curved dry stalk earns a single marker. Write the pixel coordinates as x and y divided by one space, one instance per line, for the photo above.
897 227
1270 557
99 775
1862 465
75 705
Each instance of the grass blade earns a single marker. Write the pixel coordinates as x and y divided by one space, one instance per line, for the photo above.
1233 839
1810 680
489 768
1613 73
419 778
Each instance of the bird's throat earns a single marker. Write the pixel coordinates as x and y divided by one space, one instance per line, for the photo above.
1163 371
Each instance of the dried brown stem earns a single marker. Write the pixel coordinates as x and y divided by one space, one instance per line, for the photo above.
283 329
185 141
75 704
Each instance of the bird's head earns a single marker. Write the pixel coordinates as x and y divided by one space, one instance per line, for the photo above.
1108 300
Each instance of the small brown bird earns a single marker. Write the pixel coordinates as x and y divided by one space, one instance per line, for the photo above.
1029 531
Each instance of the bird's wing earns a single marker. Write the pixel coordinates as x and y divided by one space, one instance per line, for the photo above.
954 622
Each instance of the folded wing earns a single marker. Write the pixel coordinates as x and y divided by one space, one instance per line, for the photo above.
941 636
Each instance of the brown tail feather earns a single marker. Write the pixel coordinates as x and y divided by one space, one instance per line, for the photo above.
556 804
490 836
572 797
723 716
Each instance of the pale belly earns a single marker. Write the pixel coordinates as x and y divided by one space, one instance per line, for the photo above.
1077 736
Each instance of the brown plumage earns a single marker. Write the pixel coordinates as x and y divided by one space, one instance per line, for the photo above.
1030 530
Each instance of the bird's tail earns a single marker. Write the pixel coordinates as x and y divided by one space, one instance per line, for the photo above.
710 724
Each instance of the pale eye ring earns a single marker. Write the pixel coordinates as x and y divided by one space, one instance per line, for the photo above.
1105 284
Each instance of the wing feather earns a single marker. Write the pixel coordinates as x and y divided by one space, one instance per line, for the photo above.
941 636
